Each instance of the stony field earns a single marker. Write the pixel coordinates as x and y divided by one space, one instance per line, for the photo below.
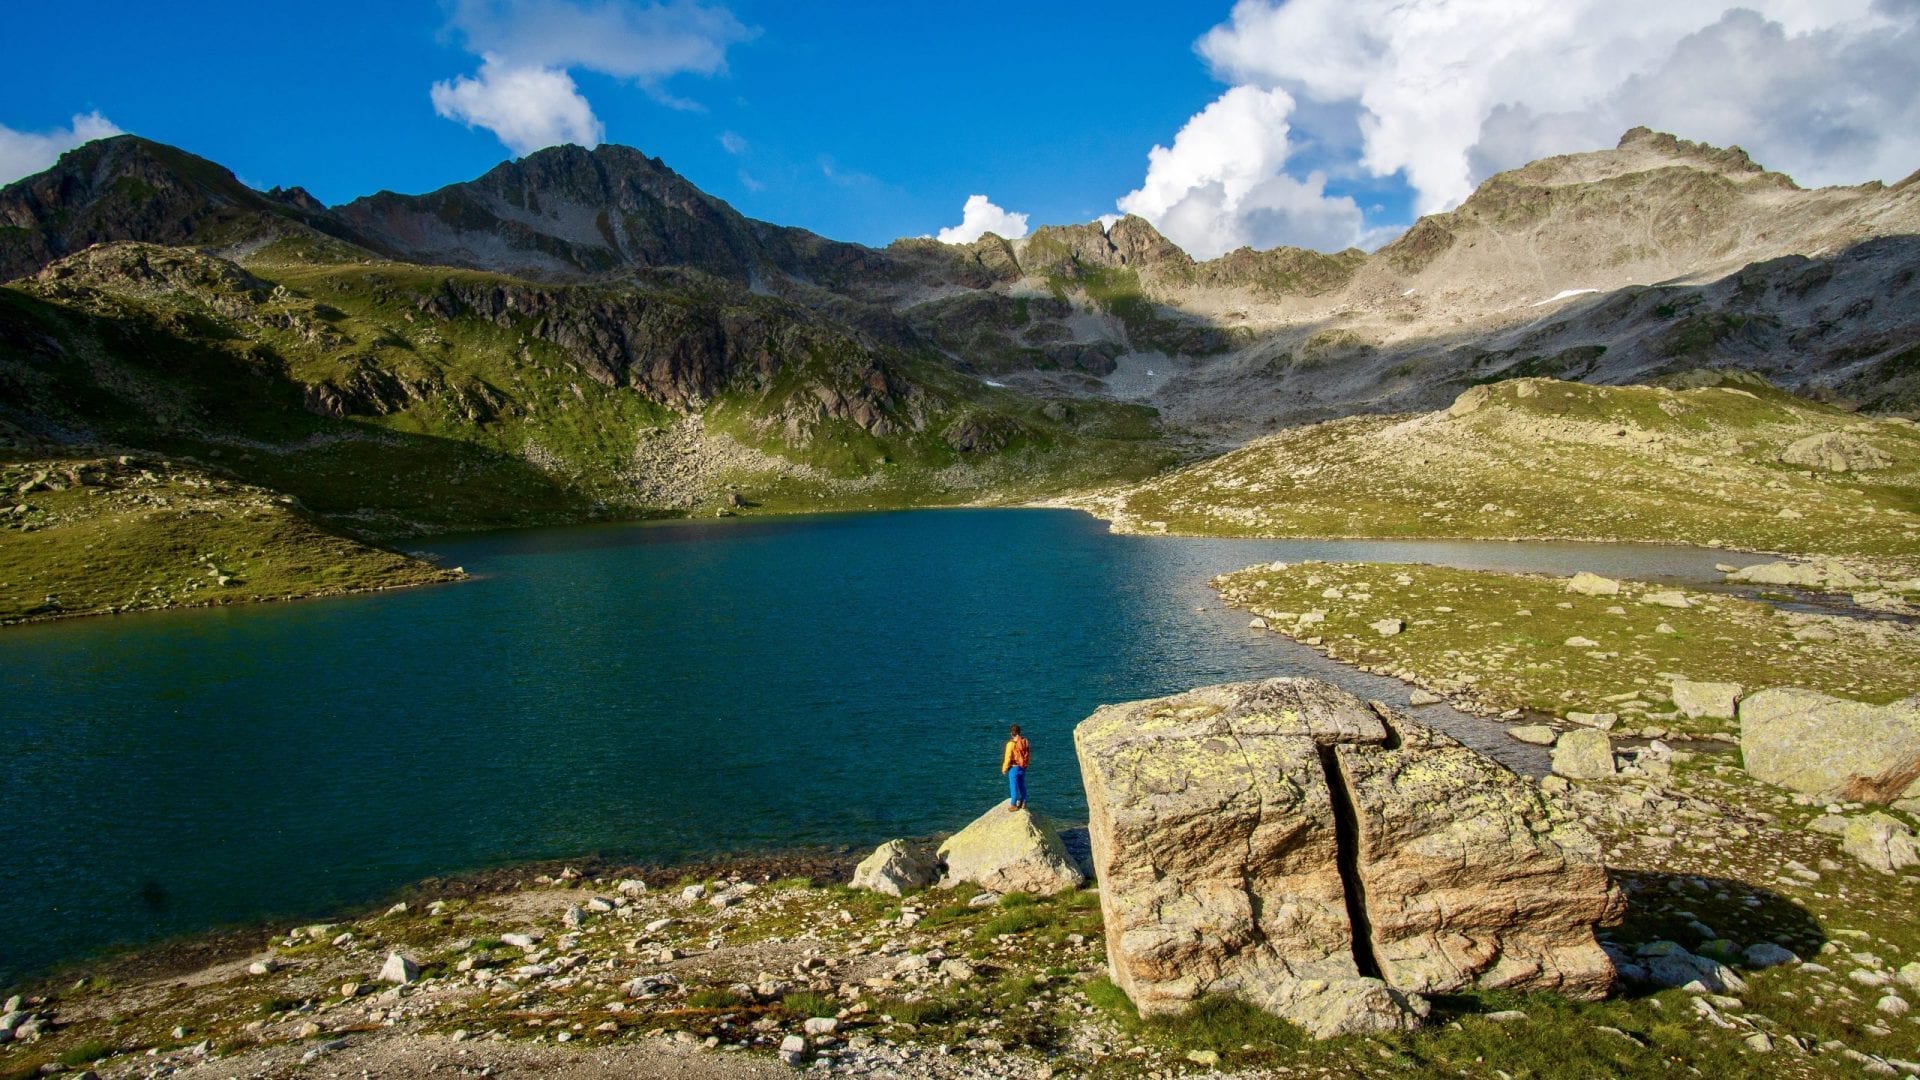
1739 466
1499 642
1797 960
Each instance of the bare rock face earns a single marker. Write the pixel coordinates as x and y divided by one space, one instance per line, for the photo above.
1283 842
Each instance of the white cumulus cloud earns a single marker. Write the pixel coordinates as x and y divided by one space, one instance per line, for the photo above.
23 153
1223 183
527 107
524 92
1445 92
1440 94
980 216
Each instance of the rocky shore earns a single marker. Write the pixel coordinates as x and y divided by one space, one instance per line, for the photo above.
1735 927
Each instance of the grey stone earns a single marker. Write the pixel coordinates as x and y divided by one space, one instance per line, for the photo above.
896 868
1706 700
1588 584
1584 754
1766 954
399 969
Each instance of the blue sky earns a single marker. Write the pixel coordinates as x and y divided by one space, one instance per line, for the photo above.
1319 122
1042 107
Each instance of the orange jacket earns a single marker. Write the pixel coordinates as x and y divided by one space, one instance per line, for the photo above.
1019 752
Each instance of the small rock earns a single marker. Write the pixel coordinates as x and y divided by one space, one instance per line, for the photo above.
957 969
1577 642
1766 954
1424 697
793 1050
1708 700
821 1025
1534 734
1672 598
1587 584
1506 1016
399 969
1388 627
1208 1059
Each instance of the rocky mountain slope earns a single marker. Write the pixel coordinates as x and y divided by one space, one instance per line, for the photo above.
585 333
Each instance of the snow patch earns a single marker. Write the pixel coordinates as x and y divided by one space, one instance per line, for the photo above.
1562 295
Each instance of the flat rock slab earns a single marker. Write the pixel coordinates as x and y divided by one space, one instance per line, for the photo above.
1286 843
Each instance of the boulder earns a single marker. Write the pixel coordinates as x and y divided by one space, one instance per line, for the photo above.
1587 584
1832 748
1470 879
399 969
1584 754
1010 850
895 868
1882 841
1285 843
1706 700
1828 575
1835 451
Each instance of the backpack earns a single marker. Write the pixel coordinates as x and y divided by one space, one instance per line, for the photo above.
1022 752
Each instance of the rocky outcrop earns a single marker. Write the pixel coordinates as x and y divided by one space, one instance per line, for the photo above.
1283 842
1007 850
1831 747
1835 451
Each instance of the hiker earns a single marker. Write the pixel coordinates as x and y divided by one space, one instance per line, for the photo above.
1014 764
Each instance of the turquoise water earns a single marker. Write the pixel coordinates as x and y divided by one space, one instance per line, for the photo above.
654 692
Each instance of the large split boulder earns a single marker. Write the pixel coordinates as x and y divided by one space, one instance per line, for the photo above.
1286 843
1008 850
1832 747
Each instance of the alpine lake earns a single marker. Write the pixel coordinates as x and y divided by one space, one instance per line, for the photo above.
656 693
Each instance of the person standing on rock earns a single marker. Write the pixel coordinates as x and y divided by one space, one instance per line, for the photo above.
1013 763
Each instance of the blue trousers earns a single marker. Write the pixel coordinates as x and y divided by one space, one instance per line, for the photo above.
1017 784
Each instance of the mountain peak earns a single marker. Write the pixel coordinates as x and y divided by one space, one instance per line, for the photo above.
129 187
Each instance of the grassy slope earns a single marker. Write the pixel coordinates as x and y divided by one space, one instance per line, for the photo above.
82 537
1501 639
1545 459
480 424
